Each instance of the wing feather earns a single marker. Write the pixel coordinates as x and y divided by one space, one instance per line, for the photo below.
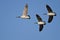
25 11
50 19
40 27
49 9
38 18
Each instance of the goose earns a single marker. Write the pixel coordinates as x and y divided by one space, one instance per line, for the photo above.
25 12
40 22
50 13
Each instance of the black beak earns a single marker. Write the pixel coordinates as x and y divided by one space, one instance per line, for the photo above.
45 14
18 17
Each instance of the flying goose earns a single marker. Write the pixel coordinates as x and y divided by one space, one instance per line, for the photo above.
25 12
40 22
50 13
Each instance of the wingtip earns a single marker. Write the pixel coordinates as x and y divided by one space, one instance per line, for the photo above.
26 5
36 14
49 21
40 30
47 5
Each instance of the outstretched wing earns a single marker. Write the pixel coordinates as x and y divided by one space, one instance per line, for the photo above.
50 19
38 18
40 27
49 9
25 11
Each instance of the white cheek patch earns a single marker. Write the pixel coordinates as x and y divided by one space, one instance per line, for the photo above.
51 14
40 22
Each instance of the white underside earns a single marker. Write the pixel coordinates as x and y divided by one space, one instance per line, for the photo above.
52 14
24 16
40 22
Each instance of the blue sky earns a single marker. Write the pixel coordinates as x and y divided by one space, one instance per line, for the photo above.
12 28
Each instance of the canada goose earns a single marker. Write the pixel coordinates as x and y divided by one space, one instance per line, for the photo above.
25 12
40 22
50 13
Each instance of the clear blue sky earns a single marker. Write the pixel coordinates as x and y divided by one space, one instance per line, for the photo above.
12 28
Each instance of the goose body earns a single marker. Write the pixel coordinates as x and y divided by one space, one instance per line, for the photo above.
50 13
40 22
25 12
